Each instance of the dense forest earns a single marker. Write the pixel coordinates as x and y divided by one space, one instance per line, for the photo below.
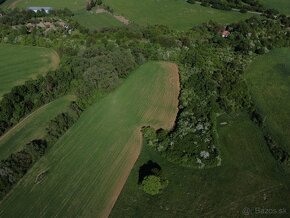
95 63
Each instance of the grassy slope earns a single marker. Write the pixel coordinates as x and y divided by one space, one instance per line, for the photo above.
96 21
281 5
90 164
19 63
173 13
248 171
32 127
71 4
269 80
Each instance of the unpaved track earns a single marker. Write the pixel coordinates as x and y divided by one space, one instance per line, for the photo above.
120 18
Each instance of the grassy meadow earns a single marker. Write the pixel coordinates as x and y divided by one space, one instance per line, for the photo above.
31 127
73 5
89 165
20 63
173 13
248 177
95 21
269 81
280 5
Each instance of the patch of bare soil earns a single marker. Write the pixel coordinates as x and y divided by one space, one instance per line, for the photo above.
55 60
120 18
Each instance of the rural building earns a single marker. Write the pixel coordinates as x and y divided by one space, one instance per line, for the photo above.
36 9
225 34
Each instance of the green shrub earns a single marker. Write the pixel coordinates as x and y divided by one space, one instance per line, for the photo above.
152 185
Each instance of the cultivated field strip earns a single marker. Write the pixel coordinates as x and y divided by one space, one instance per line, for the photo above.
20 63
32 127
89 166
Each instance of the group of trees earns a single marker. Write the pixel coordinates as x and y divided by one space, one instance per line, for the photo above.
13 168
92 3
97 62
244 5
151 178
211 71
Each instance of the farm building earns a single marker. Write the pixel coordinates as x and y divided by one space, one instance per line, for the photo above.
36 9
225 34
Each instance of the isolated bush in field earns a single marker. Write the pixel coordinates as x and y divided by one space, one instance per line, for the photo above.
152 185
151 179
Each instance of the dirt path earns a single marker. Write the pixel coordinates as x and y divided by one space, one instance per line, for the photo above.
55 60
120 18
13 5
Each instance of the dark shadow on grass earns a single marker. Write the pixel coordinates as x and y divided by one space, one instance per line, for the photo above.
147 169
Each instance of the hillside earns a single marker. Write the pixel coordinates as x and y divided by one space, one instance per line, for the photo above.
247 176
175 14
156 108
108 134
270 85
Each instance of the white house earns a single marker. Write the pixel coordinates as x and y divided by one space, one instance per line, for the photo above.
36 9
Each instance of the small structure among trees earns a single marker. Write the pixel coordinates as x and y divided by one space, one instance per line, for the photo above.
225 33
39 9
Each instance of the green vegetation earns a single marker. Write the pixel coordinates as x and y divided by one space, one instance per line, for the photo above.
244 5
151 179
32 127
248 177
20 63
281 5
218 125
96 21
106 135
72 5
269 81
175 14
152 185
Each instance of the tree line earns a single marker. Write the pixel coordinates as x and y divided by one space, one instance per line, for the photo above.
211 68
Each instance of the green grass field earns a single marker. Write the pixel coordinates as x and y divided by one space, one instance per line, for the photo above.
280 5
174 13
89 165
269 81
248 174
96 21
73 5
19 63
31 127
177 14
